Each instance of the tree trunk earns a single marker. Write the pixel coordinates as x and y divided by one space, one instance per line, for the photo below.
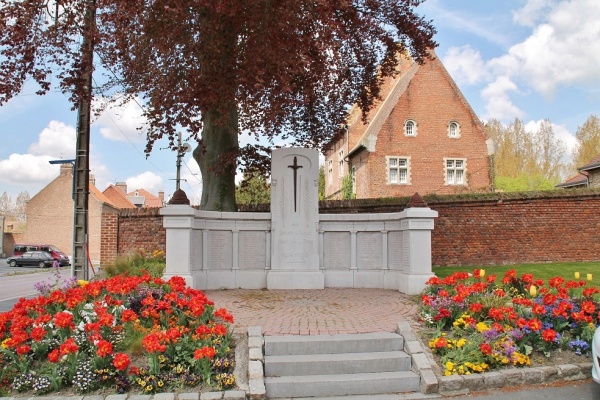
216 157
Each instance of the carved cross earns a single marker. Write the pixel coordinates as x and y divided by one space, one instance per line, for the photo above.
295 167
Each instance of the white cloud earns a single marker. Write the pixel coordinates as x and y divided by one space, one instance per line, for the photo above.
564 49
532 12
498 103
57 140
465 65
120 122
146 180
560 133
27 169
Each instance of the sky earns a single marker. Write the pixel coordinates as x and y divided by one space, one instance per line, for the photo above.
526 59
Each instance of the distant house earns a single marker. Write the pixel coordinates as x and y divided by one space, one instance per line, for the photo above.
423 136
50 212
588 176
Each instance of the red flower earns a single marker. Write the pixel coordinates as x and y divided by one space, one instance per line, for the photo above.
219 330
534 324
556 281
38 333
121 361
203 330
485 348
69 346
205 352
588 307
538 309
441 343
224 315
104 348
476 307
23 349
128 316
549 335
173 334
64 319
152 343
53 356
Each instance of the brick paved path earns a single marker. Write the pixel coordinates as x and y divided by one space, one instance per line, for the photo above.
316 312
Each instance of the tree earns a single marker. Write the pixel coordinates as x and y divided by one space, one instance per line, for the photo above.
6 207
348 188
283 69
254 189
526 160
321 183
588 139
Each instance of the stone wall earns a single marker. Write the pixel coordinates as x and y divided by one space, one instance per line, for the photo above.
495 230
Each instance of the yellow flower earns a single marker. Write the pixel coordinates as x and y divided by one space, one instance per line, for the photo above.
449 365
532 290
81 282
4 345
461 342
481 273
589 277
576 275
482 327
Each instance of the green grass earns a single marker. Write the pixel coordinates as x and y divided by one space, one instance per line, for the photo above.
539 271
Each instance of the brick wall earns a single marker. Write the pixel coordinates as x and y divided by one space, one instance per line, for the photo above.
499 229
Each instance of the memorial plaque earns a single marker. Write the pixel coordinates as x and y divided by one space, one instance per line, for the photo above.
196 253
252 250
395 250
368 249
220 250
336 250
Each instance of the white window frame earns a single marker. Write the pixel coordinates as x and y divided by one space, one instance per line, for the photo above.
410 132
341 163
456 133
455 171
330 171
394 166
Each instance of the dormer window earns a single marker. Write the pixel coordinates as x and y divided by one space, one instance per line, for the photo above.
453 130
410 128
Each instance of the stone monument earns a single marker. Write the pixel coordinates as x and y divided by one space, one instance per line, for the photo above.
295 220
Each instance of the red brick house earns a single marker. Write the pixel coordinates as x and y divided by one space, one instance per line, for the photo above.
588 176
422 136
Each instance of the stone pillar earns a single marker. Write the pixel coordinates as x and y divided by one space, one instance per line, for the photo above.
178 221
295 220
417 224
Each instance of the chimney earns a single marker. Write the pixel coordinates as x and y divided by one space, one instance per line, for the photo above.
161 196
92 180
66 169
122 186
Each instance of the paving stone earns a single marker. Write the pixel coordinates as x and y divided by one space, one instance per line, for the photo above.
254 331
211 396
420 361
234 395
452 383
586 369
403 327
116 397
474 382
532 376
255 370
164 396
140 397
255 353
188 396
412 347
429 382
255 341
569 372
512 376
70 398
93 397
549 373
493 379
257 389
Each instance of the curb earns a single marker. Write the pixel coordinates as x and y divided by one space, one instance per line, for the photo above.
432 380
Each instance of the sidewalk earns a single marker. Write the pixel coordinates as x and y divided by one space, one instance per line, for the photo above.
316 312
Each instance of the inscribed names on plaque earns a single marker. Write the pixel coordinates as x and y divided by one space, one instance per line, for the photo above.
336 250
196 253
395 250
252 247
220 250
368 250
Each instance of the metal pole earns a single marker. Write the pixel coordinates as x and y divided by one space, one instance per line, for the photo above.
179 155
79 267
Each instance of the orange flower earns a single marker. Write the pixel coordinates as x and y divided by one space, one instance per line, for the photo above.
205 352
121 361
53 356
534 324
549 335
69 346
104 348
485 348
64 319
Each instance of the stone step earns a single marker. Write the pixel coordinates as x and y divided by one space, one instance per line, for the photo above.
341 385
333 344
345 363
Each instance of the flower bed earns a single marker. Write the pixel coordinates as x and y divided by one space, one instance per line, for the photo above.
125 333
481 324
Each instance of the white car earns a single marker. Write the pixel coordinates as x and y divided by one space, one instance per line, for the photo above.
596 356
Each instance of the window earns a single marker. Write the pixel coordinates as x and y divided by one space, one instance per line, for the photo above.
398 170
410 128
330 171
453 129
455 171
341 163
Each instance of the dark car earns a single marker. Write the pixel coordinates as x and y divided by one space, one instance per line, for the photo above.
40 258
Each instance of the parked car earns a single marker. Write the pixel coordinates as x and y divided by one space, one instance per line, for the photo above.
42 259
62 258
596 356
